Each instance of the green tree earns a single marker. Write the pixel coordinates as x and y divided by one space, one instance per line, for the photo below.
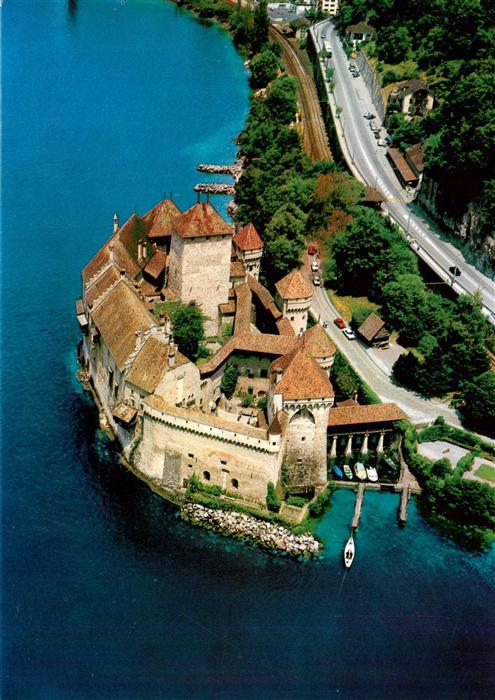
281 100
344 379
272 500
282 254
264 67
289 220
261 24
188 329
370 253
478 396
229 380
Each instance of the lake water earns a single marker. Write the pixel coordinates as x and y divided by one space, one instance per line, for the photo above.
106 594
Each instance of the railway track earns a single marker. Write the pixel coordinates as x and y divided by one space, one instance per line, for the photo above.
315 138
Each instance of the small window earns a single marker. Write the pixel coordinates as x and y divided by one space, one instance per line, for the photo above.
190 455
206 476
222 461
303 439
235 483
292 318
190 466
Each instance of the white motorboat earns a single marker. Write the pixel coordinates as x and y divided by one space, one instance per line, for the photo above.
372 473
349 552
360 471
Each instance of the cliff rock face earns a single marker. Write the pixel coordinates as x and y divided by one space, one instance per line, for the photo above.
479 242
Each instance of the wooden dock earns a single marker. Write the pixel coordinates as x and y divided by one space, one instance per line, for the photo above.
404 502
358 506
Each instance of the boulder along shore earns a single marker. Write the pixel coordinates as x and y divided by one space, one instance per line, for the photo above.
244 527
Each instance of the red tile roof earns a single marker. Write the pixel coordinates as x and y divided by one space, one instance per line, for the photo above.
160 219
400 163
119 316
242 322
294 286
264 297
359 415
151 363
156 265
237 269
317 341
370 327
302 377
248 238
202 219
284 327
100 285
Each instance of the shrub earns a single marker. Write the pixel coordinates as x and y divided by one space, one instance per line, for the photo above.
272 500
321 502
296 501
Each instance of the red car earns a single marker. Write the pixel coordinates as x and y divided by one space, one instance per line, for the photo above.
339 322
313 249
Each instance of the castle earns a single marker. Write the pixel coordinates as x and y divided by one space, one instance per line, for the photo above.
169 413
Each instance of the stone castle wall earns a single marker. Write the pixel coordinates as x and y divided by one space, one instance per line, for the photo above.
172 454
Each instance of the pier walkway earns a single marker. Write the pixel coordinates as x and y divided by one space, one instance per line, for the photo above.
358 506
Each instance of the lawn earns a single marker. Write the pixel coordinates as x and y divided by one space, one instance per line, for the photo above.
347 305
486 472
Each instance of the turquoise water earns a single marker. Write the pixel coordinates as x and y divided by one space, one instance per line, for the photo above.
106 594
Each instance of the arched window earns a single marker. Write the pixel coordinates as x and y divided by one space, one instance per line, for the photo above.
206 476
235 483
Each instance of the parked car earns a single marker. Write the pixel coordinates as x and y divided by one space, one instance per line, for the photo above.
349 334
313 249
317 280
356 73
339 322
323 35
369 115
352 66
376 133
315 265
382 142
373 126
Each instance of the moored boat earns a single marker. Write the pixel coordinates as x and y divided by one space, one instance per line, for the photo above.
349 552
347 471
360 471
338 471
372 473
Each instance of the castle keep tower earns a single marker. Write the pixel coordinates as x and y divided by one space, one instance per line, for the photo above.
199 260
249 248
294 296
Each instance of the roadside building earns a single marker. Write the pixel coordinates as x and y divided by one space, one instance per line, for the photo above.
330 7
401 167
357 33
373 331
412 98
414 157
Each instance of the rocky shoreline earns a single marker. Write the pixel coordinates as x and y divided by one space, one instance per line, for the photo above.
244 527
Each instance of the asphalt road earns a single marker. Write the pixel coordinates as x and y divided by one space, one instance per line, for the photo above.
361 358
368 159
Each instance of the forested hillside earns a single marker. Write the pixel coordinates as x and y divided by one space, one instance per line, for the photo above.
450 44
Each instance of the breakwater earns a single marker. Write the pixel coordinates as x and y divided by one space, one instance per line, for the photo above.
244 527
